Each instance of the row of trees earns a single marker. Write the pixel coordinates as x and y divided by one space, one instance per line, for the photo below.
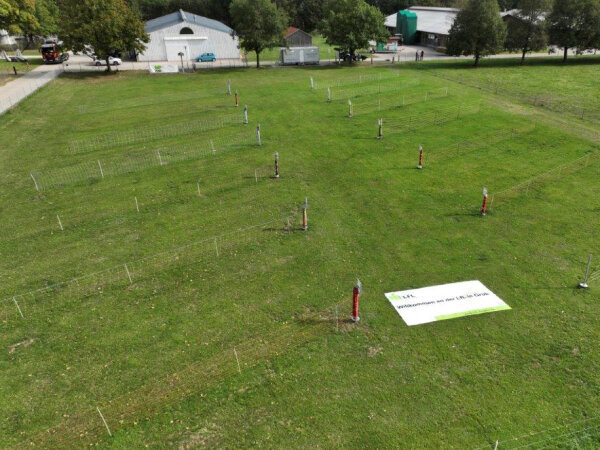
480 31
349 24
109 25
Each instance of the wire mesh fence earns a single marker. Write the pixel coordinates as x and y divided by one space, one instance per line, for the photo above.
346 81
412 121
370 89
524 187
576 434
146 134
551 102
468 145
134 162
387 102
92 423
35 301
144 101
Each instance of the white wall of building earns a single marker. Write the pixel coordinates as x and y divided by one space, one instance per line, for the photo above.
167 42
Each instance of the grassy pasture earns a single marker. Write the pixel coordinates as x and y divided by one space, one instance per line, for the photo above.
572 88
219 269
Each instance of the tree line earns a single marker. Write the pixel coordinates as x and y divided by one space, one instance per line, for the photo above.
479 30
41 16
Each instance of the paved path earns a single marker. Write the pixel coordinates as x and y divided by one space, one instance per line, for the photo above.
16 90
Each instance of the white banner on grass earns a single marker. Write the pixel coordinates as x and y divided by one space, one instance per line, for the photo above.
163 68
448 301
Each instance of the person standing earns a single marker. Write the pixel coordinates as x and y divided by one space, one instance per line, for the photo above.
417 55
422 55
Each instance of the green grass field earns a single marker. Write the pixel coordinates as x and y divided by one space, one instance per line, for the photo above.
180 257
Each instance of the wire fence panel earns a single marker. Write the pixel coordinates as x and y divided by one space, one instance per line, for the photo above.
548 101
392 101
129 271
556 173
414 121
146 134
359 91
347 81
138 161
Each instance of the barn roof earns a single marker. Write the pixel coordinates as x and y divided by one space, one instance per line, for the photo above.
429 19
290 31
182 16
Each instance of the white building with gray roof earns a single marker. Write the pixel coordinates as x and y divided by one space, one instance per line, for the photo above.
189 34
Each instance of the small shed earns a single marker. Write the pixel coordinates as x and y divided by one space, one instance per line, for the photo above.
294 37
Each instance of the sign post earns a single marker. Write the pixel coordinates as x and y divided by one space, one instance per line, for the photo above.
305 215
355 299
484 205
277 165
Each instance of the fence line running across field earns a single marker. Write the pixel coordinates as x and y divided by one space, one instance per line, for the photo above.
563 169
123 271
141 101
538 438
159 156
550 102
125 409
414 121
388 102
347 81
371 89
145 134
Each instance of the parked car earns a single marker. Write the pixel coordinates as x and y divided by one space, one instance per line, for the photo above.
206 57
112 61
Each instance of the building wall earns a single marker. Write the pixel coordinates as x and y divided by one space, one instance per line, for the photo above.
433 40
299 39
217 42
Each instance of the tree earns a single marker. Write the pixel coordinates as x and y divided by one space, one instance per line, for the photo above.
526 30
574 23
304 14
351 24
478 30
260 24
107 26
46 14
17 15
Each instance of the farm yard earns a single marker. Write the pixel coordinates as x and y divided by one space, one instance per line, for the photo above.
157 288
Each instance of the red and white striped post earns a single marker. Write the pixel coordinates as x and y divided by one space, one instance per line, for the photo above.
420 166
237 99
355 299
277 165
484 205
305 215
